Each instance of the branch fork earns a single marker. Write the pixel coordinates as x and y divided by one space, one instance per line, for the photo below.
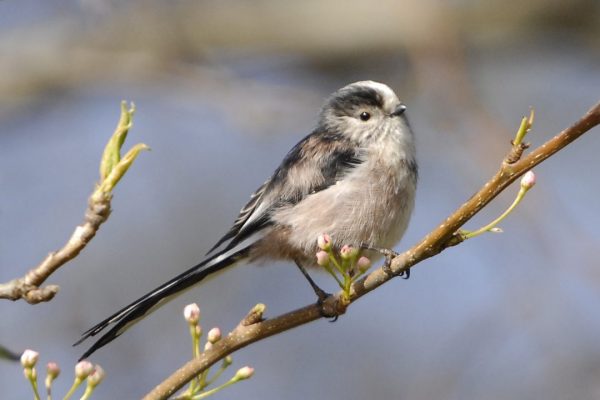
112 169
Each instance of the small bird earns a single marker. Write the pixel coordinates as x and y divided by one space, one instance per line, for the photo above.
354 177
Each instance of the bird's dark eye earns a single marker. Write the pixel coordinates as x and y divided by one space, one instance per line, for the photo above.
365 116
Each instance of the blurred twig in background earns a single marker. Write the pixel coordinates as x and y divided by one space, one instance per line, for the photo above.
430 35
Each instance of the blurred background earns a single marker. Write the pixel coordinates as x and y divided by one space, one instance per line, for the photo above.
223 89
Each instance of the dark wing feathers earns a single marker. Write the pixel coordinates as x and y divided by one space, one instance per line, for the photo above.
323 158
337 165
314 164
243 216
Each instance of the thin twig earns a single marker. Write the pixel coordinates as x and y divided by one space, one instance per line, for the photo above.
29 287
444 236
112 169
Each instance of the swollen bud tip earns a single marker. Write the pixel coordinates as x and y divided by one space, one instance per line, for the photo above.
244 373
191 313
363 264
52 370
214 335
324 242
29 358
83 369
96 376
348 252
323 258
528 180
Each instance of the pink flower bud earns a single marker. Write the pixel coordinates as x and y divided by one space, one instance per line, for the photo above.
96 376
191 313
52 370
363 264
323 258
528 180
83 369
208 346
244 373
29 358
347 252
324 242
214 335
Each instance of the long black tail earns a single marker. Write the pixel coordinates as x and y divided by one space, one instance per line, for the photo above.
134 312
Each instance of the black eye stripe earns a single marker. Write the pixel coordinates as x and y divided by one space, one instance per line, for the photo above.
347 102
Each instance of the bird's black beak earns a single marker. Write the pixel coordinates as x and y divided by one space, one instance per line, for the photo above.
399 110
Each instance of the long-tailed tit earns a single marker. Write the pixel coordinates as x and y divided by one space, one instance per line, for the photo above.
353 177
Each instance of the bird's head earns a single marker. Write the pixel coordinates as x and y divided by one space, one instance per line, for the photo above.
364 111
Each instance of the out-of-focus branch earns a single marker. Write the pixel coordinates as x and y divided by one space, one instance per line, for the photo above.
254 328
112 169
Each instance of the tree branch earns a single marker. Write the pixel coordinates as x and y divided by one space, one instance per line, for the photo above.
254 328
28 287
112 169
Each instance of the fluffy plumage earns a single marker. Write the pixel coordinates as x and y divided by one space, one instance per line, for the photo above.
354 177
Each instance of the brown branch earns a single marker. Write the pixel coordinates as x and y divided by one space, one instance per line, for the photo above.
444 236
28 287
112 169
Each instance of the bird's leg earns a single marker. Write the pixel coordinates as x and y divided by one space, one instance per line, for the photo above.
321 294
389 255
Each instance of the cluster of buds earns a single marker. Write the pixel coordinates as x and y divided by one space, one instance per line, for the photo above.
198 386
346 266
86 371
83 370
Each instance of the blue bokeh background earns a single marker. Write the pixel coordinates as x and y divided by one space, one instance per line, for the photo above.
223 90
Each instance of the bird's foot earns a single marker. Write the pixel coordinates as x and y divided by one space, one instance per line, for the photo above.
327 308
389 256
332 306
